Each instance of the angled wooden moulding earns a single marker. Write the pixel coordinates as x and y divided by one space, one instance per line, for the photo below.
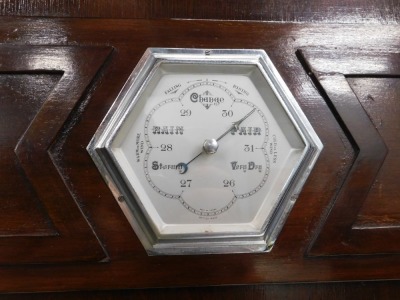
70 236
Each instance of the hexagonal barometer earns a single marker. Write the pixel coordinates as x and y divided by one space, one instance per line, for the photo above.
205 151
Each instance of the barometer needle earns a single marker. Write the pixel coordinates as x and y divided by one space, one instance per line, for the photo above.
235 125
183 167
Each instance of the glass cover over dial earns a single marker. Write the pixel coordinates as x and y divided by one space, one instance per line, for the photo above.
206 151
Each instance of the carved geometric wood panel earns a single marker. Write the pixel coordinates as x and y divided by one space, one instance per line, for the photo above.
332 73
379 97
22 95
63 75
75 221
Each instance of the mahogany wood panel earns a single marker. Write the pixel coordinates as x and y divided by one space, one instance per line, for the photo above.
73 121
379 97
328 11
338 235
352 290
31 149
22 96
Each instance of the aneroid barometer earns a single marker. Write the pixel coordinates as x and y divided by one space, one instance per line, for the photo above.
205 151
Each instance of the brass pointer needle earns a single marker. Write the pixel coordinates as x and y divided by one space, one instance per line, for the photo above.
210 146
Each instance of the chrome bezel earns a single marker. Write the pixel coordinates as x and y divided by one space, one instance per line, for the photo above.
99 149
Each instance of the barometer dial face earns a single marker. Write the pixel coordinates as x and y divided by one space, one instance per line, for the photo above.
207 160
202 149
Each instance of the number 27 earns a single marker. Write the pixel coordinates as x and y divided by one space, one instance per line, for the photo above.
186 182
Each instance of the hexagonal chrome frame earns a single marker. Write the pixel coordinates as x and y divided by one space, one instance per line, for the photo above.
99 149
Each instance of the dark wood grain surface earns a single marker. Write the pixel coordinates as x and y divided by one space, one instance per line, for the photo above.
351 290
344 72
28 142
328 11
331 74
297 50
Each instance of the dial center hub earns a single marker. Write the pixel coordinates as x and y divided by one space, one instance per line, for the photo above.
210 146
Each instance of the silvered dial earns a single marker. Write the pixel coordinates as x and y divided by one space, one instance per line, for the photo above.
206 147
